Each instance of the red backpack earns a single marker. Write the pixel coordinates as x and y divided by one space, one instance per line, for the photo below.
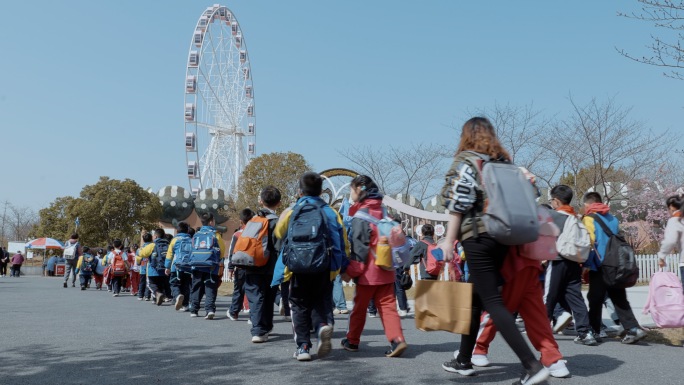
118 264
432 265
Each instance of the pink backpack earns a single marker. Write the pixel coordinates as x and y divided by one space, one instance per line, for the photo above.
544 248
665 300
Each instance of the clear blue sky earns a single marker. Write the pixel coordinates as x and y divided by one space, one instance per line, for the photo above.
95 88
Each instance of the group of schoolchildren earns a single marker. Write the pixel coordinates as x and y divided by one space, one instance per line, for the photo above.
302 252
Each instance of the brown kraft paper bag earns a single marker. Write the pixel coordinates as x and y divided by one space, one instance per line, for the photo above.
443 305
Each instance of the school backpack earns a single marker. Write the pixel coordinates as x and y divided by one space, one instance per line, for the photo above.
308 247
118 264
206 251
182 251
70 251
251 246
574 242
544 248
388 228
619 266
665 300
433 265
88 264
510 211
158 257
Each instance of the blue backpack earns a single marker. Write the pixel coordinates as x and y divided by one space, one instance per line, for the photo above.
158 257
182 250
307 246
205 249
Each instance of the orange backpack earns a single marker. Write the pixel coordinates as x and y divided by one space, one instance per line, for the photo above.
118 265
251 247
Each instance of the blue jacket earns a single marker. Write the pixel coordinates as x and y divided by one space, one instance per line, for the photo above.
598 238
52 261
140 261
174 247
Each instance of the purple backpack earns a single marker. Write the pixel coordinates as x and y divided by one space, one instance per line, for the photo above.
665 300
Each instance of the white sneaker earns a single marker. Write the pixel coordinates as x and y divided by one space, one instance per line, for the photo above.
249 321
336 312
260 339
230 316
210 315
184 309
287 318
402 313
324 341
558 369
245 311
562 322
179 301
477 359
281 308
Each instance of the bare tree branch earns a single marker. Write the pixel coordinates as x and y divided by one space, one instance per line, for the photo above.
667 15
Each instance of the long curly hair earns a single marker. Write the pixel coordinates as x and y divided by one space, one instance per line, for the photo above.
478 135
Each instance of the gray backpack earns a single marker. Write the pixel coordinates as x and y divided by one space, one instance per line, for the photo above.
510 211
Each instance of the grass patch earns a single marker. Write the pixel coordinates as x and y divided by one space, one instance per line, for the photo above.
670 337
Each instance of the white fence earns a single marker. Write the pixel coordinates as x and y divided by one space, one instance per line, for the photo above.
648 265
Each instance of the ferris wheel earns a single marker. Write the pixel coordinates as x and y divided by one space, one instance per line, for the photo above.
220 125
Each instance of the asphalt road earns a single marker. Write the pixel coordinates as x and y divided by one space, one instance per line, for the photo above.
53 335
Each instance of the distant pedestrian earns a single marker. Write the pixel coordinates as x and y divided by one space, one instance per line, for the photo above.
72 251
86 267
17 261
51 263
4 261
99 269
237 274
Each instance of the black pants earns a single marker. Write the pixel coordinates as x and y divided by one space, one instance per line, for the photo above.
565 286
596 296
260 296
117 282
3 269
16 270
310 304
180 283
238 291
85 280
399 291
203 282
158 284
285 297
485 257
143 290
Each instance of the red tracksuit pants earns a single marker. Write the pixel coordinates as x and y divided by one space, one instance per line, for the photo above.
386 303
524 294
134 282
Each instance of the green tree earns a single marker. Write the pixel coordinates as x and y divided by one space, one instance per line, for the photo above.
280 169
594 179
106 210
55 220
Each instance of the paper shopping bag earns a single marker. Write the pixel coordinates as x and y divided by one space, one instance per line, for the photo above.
443 305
